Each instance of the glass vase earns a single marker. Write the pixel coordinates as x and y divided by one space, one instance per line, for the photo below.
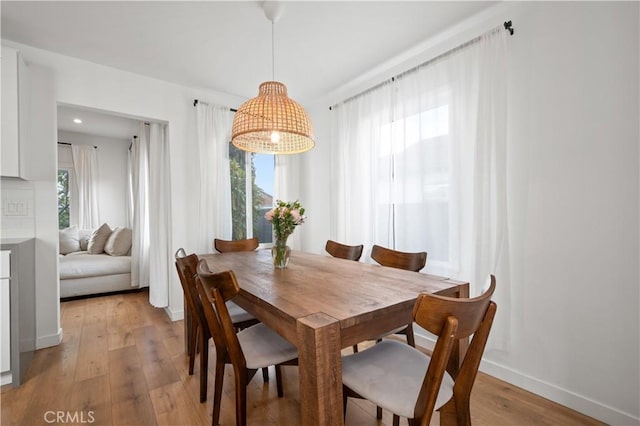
280 253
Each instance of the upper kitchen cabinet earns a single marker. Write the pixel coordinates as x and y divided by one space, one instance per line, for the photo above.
14 161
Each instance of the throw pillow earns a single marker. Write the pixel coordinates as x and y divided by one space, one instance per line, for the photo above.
119 242
69 240
85 235
98 239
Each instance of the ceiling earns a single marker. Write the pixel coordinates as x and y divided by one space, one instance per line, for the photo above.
226 46
96 123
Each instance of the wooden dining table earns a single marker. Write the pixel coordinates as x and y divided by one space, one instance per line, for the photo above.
323 304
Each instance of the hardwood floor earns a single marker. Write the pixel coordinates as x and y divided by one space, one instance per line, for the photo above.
122 362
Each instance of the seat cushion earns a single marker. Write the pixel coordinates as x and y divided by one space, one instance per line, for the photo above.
82 265
263 347
238 314
390 374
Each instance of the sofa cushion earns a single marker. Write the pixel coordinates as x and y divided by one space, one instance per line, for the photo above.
119 242
69 240
93 265
98 239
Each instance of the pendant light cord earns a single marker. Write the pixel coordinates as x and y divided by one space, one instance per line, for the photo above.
273 52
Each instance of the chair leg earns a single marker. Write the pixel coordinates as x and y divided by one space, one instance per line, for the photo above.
217 391
265 374
355 349
344 403
279 381
241 398
410 338
378 412
204 364
396 420
192 340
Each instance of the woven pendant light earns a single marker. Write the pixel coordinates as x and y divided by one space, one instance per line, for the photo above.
272 123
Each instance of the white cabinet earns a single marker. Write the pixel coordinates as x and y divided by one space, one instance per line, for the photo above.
13 161
17 307
5 318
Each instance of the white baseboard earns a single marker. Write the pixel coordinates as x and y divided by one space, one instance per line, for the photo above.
174 315
580 403
50 340
6 378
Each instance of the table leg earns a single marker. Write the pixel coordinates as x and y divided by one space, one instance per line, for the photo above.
320 366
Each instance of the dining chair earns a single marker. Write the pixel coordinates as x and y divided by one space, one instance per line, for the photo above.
194 322
344 251
228 246
225 246
198 330
248 350
400 260
411 384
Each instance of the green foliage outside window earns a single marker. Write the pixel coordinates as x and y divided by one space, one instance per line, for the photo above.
63 199
237 166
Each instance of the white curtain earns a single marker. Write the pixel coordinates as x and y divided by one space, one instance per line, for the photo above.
151 190
358 215
420 164
85 166
139 160
214 133
129 195
287 188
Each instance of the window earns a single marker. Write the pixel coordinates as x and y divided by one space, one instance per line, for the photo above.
414 181
252 179
64 205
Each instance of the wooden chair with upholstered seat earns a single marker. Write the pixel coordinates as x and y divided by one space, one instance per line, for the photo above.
225 246
400 260
198 330
228 246
248 350
344 251
411 384
182 263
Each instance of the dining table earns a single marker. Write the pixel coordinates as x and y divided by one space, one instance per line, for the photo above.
323 304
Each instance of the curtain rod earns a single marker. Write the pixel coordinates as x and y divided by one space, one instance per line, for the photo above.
508 26
67 143
196 102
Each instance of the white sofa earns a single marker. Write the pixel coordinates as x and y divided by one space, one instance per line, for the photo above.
83 273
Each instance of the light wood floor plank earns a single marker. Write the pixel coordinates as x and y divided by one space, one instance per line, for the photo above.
124 360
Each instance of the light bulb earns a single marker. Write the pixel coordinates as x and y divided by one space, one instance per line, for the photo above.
275 137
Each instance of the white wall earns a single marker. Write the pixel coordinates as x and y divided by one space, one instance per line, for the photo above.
112 174
573 199
85 84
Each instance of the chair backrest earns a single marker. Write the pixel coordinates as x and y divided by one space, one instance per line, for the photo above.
186 266
398 259
215 290
225 246
344 251
452 319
